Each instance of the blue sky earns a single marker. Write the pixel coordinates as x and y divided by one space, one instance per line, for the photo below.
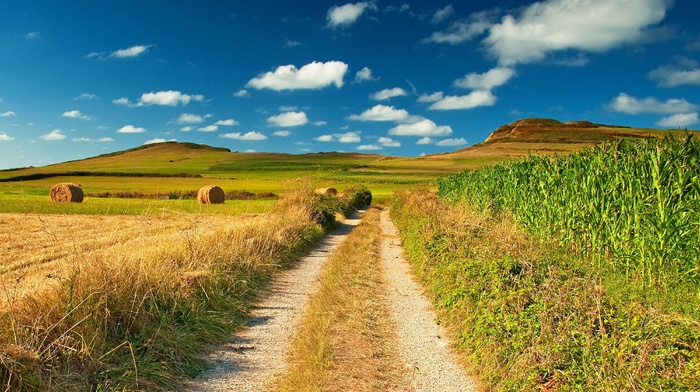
404 78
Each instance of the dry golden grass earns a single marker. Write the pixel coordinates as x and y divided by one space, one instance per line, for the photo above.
345 340
128 303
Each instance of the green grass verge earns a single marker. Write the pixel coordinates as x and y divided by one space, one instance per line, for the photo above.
529 316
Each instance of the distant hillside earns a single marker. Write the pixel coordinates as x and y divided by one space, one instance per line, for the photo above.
547 136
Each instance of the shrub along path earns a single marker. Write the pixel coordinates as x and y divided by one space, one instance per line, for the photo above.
254 358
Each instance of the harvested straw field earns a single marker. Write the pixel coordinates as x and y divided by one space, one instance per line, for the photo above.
40 250
66 193
211 194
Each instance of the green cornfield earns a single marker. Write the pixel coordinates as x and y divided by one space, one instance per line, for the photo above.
634 205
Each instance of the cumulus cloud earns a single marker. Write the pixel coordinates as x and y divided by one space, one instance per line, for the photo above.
365 75
209 128
122 101
189 118
425 140
288 119
672 76
464 30
133 51
627 104
228 122
452 142
54 135
486 81
472 100
158 140
324 138
76 114
388 93
282 133
443 13
348 137
679 120
421 128
586 25
186 129
369 147
168 98
346 15
388 142
241 94
130 129
434 97
383 113
7 114
248 136
315 75
5 137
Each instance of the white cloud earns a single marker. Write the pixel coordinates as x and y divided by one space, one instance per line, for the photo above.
288 108
249 136
425 140
587 25
5 137
434 97
189 118
486 81
209 128
388 142
365 75
368 147
384 113
130 129
167 98
289 119
325 138
54 135
451 142
76 114
388 93
292 44
32 35
7 114
345 15
443 13
105 139
228 122
315 75
241 94
463 30
122 101
158 140
348 137
282 133
672 76
679 120
133 51
422 128
319 123
631 105
85 96
472 100
186 129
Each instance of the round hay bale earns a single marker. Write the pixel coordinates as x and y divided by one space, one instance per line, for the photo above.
211 194
327 191
66 193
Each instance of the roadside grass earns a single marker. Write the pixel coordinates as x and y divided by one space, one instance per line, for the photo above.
345 340
530 315
140 318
